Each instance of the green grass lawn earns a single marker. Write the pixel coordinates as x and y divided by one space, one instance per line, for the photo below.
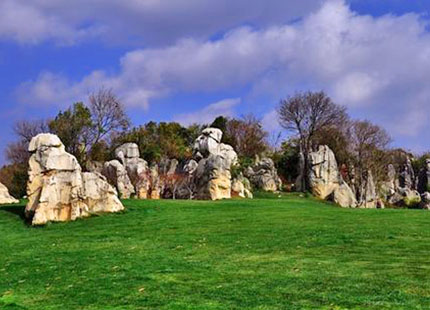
267 253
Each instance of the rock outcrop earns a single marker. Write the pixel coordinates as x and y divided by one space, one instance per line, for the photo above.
407 175
129 173
263 175
5 197
241 186
57 189
424 178
368 197
117 175
212 176
325 179
344 196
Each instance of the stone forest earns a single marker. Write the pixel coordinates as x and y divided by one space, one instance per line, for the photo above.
58 188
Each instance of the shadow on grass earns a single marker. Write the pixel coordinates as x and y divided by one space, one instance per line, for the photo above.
16 209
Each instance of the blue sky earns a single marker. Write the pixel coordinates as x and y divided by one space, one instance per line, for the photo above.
191 60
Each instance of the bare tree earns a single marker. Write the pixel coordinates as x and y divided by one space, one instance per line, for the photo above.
369 144
26 130
305 114
107 113
246 135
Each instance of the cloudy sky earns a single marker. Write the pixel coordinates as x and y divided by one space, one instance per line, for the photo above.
191 60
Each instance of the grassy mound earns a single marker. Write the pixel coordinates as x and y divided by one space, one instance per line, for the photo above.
267 253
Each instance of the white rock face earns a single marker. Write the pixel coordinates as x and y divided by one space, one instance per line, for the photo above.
212 177
325 179
263 175
344 196
57 189
209 143
5 197
128 173
324 175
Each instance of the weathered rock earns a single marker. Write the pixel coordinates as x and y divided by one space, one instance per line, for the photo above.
127 151
117 175
5 197
411 198
344 196
212 177
407 176
156 184
241 187
95 166
263 175
209 143
324 175
57 190
325 179
424 178
128 173
368 197
389 187
129 156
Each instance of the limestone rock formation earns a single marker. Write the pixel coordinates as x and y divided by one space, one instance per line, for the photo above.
389 187
57 189
344 196
128 172
368 197
155 183
5 197
325 179
242 187
407 176
424 178
263 175
117 175
212 176
209 143
324 175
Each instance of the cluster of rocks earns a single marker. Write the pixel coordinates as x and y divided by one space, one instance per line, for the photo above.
207 175
402 188
57 188
210 170
405 188
131 174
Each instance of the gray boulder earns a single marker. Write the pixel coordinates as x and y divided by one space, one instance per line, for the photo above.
263 175
325 179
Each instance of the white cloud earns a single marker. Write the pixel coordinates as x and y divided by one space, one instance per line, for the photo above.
381 64
270 121
139 22
209 113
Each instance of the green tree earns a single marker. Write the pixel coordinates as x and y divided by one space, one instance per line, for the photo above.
73 127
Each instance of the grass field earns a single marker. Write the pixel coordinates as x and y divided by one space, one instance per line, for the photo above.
266 253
